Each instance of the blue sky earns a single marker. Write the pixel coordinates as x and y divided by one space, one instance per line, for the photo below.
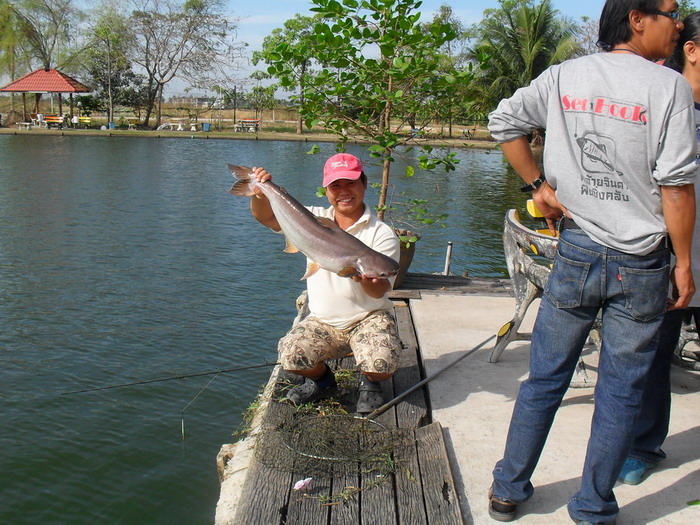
259 17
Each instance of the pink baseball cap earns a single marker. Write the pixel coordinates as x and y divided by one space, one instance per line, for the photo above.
341 166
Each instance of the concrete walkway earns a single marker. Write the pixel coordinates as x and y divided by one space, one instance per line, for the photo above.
474 399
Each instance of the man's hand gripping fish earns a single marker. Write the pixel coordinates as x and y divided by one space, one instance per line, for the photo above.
325 243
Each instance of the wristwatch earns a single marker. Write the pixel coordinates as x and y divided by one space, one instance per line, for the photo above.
534 184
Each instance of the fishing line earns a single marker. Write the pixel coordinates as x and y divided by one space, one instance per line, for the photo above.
134 383
171 378
182 413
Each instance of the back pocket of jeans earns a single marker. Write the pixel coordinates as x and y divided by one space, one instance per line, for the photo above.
566 281
645 291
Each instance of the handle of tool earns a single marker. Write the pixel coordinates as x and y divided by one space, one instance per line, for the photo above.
415 387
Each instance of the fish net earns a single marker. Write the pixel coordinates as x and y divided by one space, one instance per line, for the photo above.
325 439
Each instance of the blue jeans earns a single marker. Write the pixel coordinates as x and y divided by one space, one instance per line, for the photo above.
631 292
651 426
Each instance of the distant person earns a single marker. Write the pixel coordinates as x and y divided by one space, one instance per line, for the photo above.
619 159
651 426
346 314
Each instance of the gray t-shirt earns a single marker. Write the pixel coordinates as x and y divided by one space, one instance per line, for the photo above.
618 126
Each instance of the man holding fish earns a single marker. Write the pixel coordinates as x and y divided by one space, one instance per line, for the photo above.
347 280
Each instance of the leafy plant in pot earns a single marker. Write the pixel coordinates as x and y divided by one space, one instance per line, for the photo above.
408 215
371 72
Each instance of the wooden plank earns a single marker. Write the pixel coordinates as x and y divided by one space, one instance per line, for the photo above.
405 294
265 496
409 485
305 508
439 493
378 494
346 511
412 411
453 284
378 499
266 490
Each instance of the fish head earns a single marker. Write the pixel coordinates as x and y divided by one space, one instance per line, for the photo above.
377 265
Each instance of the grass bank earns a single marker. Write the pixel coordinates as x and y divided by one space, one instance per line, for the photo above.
478 142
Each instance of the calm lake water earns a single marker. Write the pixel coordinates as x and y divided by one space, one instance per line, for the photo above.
124 260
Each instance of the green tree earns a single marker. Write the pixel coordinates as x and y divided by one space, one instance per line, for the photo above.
10 47
685 7
107 58
133 93
297 32
378 66
48 28
261 97
454 57
518 41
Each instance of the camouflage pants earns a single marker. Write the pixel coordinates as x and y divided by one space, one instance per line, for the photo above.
374 342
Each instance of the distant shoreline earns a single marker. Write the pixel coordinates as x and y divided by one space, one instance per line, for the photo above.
230 135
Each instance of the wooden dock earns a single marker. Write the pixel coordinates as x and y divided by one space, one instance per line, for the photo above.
420 489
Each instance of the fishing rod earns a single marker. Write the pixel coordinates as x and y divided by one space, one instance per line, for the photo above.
171 378
415 387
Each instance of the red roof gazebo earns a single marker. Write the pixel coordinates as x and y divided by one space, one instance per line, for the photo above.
45 81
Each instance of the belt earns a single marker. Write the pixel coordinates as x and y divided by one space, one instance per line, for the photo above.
567 224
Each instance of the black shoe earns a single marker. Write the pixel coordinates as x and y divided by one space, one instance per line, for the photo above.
310 391
370 398
501 509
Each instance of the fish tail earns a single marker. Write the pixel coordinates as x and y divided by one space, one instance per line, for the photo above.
243 187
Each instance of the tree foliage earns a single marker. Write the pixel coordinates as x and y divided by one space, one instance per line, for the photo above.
685 7
48 29
297 32
107 58
517 42
378 68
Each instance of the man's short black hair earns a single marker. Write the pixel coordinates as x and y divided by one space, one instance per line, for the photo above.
690 33
614 20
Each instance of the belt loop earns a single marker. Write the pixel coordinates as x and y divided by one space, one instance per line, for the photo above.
560 225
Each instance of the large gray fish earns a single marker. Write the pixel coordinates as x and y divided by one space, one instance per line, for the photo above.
325 243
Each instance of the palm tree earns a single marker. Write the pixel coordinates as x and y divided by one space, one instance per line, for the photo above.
518 41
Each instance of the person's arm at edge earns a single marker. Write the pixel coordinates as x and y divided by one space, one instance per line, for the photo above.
377 288
374 287
260 205
519 155
679 216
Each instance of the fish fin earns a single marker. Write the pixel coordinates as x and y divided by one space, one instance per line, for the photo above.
328 223
289 247
311 269
240 172
348 271
241 187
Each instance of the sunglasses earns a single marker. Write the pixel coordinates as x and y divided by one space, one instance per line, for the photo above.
673 15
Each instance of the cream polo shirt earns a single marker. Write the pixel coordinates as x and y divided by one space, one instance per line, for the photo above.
340 301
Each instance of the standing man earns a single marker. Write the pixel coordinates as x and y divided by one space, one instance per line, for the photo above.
652 424
619 160
345 314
